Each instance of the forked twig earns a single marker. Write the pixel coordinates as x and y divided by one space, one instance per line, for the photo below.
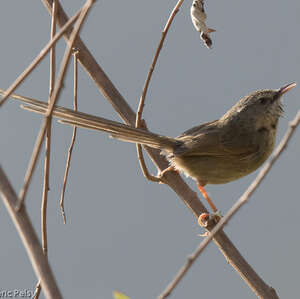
47 147
62 198
29 238
53 100
242 200
145 89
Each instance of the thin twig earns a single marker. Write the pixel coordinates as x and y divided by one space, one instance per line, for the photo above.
37 291
38 59
242 200
29 238
48 135
62 198
144 93
48 146
53 100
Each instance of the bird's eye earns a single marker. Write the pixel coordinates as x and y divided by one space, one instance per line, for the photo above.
263 100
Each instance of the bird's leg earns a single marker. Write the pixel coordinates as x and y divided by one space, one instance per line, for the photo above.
204 217
207 198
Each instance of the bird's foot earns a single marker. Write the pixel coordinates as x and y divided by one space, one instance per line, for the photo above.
161 174
205 218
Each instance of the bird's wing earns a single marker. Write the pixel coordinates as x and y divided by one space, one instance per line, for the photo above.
208 140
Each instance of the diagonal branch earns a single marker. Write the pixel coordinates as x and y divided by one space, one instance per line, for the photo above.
29 238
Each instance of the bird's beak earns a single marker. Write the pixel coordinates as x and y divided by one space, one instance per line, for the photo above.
286 88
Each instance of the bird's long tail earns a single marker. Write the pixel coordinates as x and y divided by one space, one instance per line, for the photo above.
115 129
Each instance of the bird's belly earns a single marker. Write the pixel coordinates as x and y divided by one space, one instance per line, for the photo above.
214 170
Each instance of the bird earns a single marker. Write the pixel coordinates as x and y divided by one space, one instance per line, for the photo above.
215 152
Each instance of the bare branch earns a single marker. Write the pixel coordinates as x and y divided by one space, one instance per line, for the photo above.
29 238
62 198
48 136
53 100
145 89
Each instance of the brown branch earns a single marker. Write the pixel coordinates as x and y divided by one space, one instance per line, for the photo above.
29 238
48 135
145 89
48 146
38 59
234 209
53 99
62 198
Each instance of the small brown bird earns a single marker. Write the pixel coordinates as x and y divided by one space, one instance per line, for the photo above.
216 152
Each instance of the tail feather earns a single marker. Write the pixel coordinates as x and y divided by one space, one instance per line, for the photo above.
115 129
125 133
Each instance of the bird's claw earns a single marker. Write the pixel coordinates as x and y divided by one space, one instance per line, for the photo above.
161 174
205 218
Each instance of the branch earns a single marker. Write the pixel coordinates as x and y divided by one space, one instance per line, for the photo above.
145 89
29 238
75 81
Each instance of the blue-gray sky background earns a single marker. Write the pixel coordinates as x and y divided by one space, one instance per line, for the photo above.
123 232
